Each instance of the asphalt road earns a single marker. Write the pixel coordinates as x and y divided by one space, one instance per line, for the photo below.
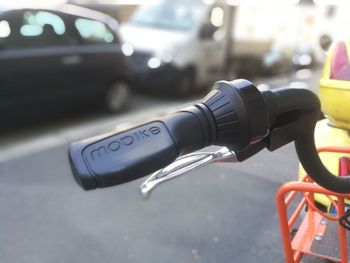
220 213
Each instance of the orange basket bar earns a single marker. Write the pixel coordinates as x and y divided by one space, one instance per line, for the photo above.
297 212
295 249
334 149
293 255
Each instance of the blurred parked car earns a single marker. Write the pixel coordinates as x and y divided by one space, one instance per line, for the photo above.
60 57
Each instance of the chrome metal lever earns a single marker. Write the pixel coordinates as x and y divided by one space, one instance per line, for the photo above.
185 164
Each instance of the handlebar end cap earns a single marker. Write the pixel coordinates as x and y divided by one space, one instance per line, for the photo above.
80 171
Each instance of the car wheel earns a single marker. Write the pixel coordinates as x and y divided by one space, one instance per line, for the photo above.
187 83
117 96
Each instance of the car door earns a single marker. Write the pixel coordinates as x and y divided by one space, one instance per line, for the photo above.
100 50
34 70
6 94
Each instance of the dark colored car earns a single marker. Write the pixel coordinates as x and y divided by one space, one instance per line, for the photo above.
59 57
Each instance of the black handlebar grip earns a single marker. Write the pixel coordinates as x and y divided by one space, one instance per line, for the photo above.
96 161
116 158
234 114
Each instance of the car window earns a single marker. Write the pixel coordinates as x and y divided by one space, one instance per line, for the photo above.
5 32
93 31
40 29
170 14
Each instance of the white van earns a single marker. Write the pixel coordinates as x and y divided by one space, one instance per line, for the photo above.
179 45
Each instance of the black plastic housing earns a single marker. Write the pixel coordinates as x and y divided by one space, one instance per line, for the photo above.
240 113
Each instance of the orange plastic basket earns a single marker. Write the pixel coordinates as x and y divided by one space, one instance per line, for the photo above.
319 234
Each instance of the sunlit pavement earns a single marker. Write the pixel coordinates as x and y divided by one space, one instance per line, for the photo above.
221 213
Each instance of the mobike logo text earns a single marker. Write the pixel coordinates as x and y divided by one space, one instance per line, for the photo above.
125 140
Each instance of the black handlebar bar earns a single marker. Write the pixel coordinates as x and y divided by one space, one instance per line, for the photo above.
234 114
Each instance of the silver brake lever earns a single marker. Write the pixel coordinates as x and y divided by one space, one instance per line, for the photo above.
183 165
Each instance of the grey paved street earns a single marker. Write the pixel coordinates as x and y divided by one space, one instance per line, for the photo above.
221 213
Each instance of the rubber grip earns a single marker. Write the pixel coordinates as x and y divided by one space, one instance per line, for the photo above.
117 158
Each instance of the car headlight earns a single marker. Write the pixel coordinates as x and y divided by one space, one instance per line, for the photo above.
127 49
156 61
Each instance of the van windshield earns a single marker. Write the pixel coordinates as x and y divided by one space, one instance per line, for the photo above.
170 14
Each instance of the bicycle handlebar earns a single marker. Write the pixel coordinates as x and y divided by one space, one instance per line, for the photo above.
234 114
